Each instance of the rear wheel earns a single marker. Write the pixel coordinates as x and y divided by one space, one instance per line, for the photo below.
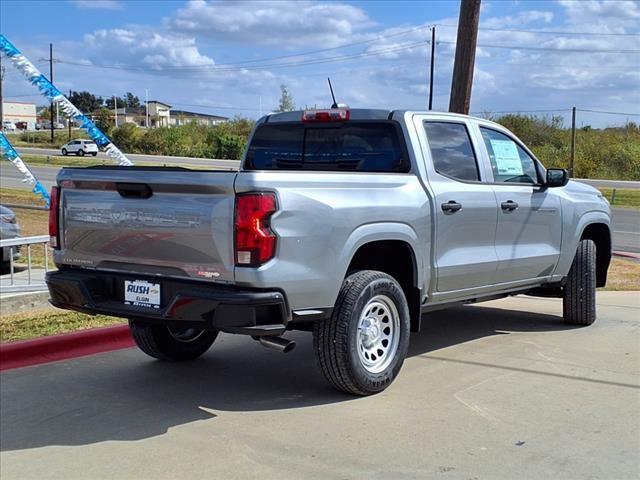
64 152
94 153
579 300
81 153
362 346
169 343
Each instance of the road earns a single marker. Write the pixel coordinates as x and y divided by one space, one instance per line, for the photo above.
488 391
626 222
155 159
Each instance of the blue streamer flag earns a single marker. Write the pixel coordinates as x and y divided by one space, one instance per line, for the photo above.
52 93
10 154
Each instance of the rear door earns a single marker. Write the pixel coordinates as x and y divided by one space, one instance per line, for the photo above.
465 207
168 221
529 229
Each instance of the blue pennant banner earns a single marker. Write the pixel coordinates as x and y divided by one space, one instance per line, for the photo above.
52 93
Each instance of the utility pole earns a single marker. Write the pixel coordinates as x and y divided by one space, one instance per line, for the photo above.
1 97
465 56
115 109
69 118
433 61
51 80
146 106
573 140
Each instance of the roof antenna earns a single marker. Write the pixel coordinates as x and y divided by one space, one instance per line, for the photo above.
335 104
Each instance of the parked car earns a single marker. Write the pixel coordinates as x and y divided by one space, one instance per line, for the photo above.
80 147
8 126
350 224
9 229
58 126
22 125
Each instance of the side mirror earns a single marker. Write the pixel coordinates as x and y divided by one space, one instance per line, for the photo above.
557 177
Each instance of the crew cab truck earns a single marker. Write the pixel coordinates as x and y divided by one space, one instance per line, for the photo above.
348 223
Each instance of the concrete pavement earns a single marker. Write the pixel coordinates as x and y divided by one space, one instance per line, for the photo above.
501 390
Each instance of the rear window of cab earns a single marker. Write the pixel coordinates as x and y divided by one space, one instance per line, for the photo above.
346 147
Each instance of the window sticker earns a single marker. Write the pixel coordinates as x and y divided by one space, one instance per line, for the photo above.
506 157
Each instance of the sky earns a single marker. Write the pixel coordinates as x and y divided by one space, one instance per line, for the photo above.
230 57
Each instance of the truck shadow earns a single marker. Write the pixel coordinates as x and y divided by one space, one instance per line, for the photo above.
125 396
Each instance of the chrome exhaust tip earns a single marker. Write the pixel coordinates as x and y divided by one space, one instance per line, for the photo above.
277 343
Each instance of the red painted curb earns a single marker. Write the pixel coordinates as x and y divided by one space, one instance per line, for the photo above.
64 346
627 255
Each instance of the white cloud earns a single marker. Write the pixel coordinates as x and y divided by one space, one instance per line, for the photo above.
286 24
147 48
99 4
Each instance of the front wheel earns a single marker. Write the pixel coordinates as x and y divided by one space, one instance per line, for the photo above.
579 296
169 343
362 346
64 152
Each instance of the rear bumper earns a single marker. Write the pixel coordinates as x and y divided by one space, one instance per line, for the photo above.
183 302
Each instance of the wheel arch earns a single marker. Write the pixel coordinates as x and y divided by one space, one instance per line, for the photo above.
601 236
393 251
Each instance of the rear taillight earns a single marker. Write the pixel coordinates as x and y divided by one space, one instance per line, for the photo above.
53 218
255 243
329 115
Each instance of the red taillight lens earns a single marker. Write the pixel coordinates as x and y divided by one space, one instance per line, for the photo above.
330 115
53 218
255 242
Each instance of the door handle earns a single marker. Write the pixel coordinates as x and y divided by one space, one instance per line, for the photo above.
451 206
509 206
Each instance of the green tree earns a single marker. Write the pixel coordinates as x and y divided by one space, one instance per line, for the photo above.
104 120
131 100
286 103
86 102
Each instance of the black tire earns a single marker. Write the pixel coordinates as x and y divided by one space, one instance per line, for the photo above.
159 342
337 341
80 152
64 152
579 299
94 153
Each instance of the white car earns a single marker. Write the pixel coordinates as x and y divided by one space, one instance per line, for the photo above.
8 126
80 147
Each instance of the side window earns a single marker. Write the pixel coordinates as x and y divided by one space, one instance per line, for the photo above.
509 161
451 150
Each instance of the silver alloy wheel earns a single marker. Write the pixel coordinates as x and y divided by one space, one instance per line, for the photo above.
378 334
185 335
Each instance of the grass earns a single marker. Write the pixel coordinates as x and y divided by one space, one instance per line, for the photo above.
40 323
623 275
68 161
624 197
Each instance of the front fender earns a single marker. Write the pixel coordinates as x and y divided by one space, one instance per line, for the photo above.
571 237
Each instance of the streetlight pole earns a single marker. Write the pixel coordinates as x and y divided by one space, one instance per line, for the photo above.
146 106
115 109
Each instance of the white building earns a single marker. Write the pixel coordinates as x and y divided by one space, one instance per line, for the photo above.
21 113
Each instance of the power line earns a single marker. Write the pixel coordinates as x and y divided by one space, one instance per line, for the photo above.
609 113
551 32
549 49
221 68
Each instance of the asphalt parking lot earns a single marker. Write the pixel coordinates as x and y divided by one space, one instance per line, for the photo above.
498 390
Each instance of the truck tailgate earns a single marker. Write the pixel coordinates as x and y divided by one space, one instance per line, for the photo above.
148 220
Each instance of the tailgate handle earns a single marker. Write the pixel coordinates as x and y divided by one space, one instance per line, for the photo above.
134 190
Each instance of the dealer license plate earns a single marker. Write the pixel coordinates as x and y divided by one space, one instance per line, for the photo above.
141 293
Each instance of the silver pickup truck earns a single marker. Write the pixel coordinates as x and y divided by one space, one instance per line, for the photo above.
351 224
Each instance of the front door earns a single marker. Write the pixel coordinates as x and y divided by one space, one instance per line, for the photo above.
529 217
465 208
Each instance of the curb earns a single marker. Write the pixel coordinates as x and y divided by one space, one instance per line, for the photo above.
18 302
64 346
627 255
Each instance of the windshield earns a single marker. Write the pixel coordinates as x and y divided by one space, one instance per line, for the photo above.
349 146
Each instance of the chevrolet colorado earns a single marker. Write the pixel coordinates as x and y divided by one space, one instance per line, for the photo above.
348 223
